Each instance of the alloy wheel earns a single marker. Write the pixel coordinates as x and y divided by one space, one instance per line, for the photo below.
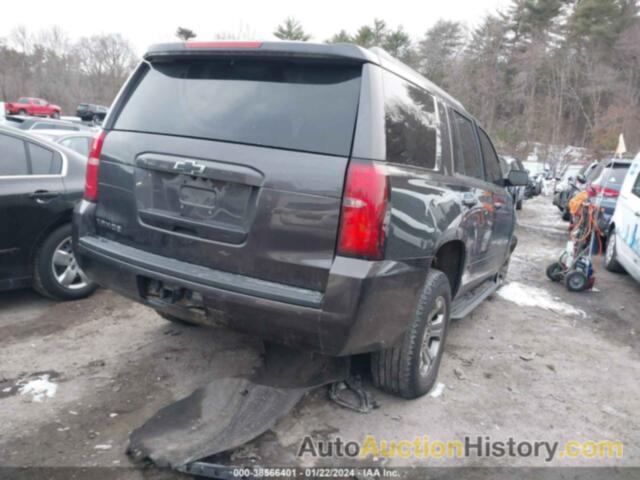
432 337
65 269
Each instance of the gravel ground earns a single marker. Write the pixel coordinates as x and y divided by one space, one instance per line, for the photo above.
537 371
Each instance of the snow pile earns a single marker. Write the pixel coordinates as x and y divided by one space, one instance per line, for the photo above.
39 388
437 390
527 296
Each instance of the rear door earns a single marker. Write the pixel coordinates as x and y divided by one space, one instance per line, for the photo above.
234 163
476 198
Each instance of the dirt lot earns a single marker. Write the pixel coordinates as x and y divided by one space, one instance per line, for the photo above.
565 368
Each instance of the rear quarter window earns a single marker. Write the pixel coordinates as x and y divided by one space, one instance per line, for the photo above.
410 123
13 158
43 160
308 107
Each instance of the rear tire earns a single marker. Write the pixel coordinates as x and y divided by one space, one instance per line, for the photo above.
22 111
610 258
519 205
55 115
56 273
410 369
566 215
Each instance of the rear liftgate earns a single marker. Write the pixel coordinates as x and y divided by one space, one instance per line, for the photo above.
228 412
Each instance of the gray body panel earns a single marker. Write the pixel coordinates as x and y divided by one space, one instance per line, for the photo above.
277 249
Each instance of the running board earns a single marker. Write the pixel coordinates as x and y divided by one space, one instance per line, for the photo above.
464 305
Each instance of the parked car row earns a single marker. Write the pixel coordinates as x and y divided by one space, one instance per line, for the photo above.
601 179
615 184
38 107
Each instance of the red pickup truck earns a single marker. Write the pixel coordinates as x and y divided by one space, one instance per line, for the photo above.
32 106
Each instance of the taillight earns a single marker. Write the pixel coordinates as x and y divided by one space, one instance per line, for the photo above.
93 165
365 209
606 192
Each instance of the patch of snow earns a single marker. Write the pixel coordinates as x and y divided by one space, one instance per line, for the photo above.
104 446
437 390
38 388
528 296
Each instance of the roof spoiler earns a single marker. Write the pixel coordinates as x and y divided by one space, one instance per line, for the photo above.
338 52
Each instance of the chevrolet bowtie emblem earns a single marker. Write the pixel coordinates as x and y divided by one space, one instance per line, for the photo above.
189 166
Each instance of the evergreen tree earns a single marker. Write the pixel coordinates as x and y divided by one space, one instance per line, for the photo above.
291 29
185 34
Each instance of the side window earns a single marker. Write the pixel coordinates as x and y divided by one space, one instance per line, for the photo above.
636 186
491 162
410 123
43 161
467 156
13 158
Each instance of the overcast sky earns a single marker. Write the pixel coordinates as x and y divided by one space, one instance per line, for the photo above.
146 22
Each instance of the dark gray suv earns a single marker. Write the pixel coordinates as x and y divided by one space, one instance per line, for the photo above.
325 197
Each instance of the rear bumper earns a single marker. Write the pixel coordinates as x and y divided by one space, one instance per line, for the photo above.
366 305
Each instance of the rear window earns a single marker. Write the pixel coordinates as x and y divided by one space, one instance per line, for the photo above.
308 107
612 176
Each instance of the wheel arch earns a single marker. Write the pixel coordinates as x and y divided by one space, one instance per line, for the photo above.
449 259
62 219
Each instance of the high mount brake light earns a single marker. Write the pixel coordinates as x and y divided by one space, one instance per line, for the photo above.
93 165
365 209
223 44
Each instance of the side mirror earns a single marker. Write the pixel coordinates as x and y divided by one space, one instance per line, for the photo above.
581 178
517 178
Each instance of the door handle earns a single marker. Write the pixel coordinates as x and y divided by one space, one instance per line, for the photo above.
41 196
469 199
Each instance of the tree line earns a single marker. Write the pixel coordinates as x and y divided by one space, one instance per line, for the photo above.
49 65
554 72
